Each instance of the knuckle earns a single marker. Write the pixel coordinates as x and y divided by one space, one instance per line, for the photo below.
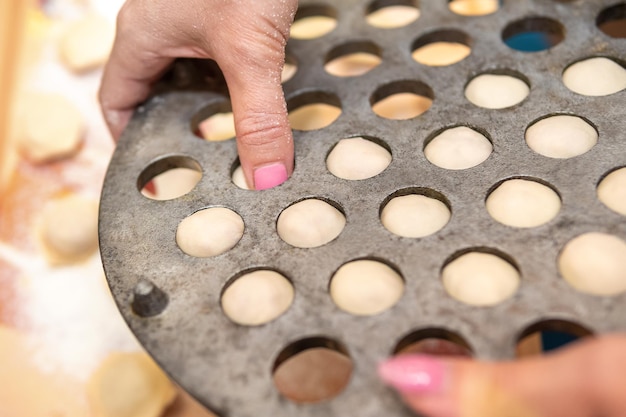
262 130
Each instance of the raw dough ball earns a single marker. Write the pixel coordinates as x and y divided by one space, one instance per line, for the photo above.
257 297
393 16
69 229
612 191
172 184
595 263
366 287
209 232
86 43
402 106
523 203
312 27
352 65
414 216
239 179
561 136
313 116
219 127
289 70
51 128
493 91
129 385
458 148
595 77
474 7
357 159
438 54
480 279
310 223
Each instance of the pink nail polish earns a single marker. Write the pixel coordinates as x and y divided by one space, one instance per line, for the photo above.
269 176
414 374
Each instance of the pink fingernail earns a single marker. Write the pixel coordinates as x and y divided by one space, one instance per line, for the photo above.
269 176
414 374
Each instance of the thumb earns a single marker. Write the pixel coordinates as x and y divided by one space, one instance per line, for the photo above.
264 137
584 380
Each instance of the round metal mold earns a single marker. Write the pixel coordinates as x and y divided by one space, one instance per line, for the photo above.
171 301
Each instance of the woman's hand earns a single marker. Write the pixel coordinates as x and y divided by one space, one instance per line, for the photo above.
587 379
245 37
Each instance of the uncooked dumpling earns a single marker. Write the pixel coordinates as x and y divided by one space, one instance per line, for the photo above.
86 43
561 136
414 215
209 232
493 91
612 191
523 203
357 159
393 16
69 229
366 287
172 184
595 263
129 385
257 297
402 106
474 7
352 65
313 116
239 179
438 54
51 128
458 148
480 279
312 27
310 223
219 127
595 77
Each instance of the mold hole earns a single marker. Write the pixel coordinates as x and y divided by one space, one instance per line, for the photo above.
353 59
458 147
474 7
209 232
561 136
497 89
612 21
612 190
358 158
388 14
597 76
533 34
310 223
312 370
289 69
313 22
257 297
595 263
314 110
480 277
168 178
366 287
402 100
415 212
441 48
549 335
214 122
523 202
433 341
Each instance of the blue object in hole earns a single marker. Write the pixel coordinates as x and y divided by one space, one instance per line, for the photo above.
529 41
552 340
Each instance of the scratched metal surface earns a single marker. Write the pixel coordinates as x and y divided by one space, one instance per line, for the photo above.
228 367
